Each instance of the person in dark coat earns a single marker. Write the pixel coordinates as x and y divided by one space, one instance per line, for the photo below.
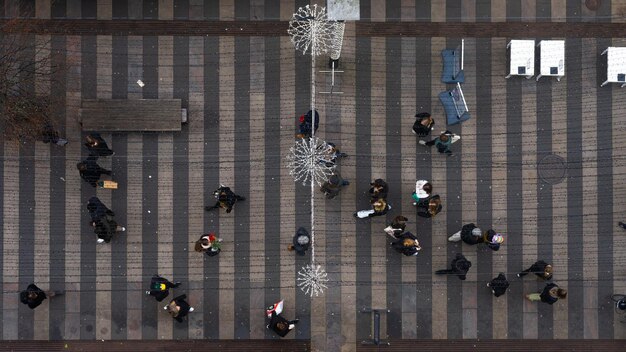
498 285
97 145
301 241
306 122
334 184
550 294
50 135
540 268
209 244
443 142
226 199
90 171
429 207
33 296
423 124
280 325
97 209
460 267
334 155
397 226
179 308
105 227
406 244
472 235
379 189
159 287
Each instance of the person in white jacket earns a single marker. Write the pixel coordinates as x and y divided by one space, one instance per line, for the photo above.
423 189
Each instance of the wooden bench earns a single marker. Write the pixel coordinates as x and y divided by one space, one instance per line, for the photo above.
132 115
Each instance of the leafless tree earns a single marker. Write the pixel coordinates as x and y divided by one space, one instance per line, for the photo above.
25 67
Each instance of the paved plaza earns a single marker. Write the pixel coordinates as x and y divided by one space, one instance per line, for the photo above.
244 94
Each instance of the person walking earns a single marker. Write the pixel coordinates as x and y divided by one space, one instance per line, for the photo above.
306 124
423 124
429 207
379 207
97 209
550 294
50 135
97 145
226 199
334 184
406 244
280 325
423 190
301 241
498 285
460 267
209 244
179 308
443 142
622 225
90 171
105 227
397 226
335 154
379 189
540 268
33 296
159 287
472 235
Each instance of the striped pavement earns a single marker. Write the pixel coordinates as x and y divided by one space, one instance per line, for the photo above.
244 94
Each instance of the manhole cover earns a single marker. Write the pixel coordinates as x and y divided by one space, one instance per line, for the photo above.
552 169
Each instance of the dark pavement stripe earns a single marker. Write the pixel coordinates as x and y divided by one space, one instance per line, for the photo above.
88 9
27 236
242 180
453 205
484 199
151 9
423 170
119 163
58 9
56 322
363 87
606 226
363 29
181 9
119 9
211 313
303 193
180 196
150 190
393 67
514 188
272 173
88 241
575 297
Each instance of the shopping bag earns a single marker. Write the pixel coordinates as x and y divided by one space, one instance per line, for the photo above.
108 184
276 307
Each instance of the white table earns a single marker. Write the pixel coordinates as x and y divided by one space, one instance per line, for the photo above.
615 65
521 58
552 58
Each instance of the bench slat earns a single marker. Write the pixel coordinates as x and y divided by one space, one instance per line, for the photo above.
131 115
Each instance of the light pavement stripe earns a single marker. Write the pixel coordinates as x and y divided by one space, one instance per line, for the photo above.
196 185
73 202
440 253
408 178
11 244
347 273
589 192
104 75
256 193
499 177
469 204
226 163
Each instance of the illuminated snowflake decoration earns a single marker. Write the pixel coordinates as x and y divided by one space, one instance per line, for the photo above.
312 279
310 28
310 159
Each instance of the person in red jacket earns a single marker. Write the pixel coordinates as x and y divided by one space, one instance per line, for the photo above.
550 294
